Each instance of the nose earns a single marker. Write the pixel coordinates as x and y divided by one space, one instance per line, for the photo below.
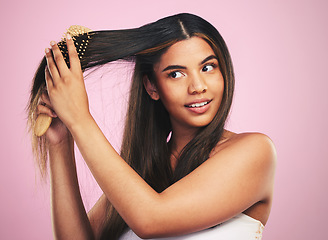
197 85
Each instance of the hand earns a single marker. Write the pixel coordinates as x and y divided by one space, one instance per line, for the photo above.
65 85
57 132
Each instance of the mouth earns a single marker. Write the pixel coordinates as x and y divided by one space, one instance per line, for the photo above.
197 105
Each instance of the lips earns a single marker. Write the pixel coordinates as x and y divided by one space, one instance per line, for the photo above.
199 107
194 105
198 104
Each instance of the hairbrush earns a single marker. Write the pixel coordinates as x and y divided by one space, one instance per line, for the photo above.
81 36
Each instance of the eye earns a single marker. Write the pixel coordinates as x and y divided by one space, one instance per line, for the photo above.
208 67
175 74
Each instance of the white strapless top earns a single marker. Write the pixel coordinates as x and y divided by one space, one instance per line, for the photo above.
240 227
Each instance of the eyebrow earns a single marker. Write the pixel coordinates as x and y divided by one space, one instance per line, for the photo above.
208 58
183 67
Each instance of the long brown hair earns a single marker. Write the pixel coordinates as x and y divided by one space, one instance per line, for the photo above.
147 126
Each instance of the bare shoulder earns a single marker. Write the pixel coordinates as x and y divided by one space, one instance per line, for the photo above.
258 146
249 148
253 139
248 141
256 142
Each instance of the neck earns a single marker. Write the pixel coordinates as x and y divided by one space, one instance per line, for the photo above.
179 139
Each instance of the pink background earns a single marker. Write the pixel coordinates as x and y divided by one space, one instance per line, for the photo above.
279 49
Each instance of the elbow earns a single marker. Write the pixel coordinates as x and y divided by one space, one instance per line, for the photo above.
148 221
147 228
144 235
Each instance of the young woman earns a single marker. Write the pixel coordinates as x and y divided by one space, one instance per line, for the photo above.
180 174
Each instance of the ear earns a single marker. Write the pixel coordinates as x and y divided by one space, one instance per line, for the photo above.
150 88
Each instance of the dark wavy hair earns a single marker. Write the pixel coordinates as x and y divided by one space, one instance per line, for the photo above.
147 125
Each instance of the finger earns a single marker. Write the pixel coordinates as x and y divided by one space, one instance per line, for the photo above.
40 102
45 99
52 68
49 81
59 59
45 110
72 53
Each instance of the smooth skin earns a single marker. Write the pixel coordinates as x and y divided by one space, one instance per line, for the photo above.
238 176
182 80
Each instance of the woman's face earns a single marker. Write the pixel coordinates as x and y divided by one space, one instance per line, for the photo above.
189 83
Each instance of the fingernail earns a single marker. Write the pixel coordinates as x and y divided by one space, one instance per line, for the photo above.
47 50
54 114
68 36
52 43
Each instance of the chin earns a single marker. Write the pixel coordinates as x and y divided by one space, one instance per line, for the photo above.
200 124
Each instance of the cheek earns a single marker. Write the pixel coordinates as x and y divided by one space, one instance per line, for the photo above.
216 85
169 99
172 100
170 92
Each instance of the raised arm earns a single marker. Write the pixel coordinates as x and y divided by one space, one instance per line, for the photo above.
228 183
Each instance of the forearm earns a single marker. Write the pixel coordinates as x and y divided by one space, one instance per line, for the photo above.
125 189
69 217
